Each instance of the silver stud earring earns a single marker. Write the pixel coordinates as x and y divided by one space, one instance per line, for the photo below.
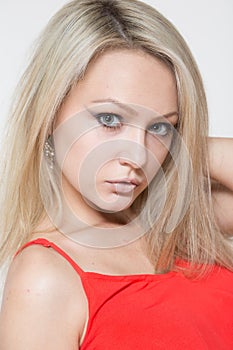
49 152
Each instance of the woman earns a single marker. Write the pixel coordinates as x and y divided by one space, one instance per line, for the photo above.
109 166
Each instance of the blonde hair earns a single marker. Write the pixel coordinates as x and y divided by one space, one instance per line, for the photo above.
81 30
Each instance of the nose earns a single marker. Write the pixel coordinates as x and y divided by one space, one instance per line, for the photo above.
134 152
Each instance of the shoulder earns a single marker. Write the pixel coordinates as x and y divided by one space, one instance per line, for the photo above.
42 267
40 287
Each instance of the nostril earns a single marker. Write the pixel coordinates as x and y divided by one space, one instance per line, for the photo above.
136 158
129 161
131 151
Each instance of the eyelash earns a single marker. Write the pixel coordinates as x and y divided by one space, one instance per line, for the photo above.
101 122
168 127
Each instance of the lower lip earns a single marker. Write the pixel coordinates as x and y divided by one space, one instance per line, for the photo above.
120 187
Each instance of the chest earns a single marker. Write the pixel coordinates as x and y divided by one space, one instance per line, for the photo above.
164 313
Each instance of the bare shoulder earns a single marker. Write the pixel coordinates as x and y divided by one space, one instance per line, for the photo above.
44 304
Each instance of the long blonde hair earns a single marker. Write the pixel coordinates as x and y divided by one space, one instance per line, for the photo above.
81 30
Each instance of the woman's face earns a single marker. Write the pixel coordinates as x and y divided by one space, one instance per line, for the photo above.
114 129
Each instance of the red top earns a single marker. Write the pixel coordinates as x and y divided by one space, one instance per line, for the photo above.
147 311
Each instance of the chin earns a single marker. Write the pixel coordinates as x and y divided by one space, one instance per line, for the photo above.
114 206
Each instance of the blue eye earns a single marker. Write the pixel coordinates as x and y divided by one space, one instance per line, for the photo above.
161 129
109 120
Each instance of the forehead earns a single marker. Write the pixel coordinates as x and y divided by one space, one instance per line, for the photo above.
129 76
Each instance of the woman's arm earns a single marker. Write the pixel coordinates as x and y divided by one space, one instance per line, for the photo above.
43 303
221 172
221 161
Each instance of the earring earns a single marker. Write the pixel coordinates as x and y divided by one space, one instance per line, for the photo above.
49 152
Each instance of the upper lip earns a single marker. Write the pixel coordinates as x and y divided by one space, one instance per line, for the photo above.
126 180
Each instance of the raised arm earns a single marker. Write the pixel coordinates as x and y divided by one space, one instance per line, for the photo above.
221 171
43 303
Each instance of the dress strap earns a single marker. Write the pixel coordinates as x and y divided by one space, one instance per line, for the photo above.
48 244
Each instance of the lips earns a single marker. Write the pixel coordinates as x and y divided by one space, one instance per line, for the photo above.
124 185
127 180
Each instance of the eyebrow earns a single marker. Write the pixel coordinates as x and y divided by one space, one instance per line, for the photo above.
118 103
129 109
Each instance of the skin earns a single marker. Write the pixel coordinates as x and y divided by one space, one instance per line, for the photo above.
41 286
129 151
221 170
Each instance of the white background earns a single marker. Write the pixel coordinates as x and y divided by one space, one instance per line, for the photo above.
206 25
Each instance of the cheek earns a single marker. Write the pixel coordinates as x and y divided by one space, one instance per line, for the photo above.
72 162
161 153
89 160
77 162
158 151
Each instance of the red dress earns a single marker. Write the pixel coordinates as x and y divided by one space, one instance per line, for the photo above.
146 311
